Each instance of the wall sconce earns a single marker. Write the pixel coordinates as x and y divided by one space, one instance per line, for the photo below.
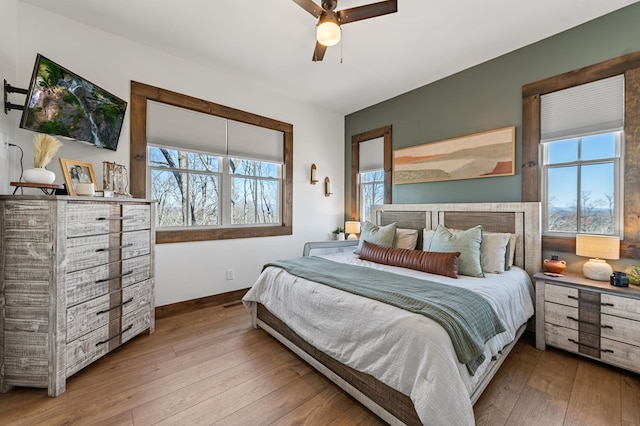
327 187
352 228
313 174
597 247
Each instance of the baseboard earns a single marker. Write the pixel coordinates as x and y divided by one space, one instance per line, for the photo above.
178 308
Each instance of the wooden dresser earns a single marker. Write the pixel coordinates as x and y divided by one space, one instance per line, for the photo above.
76 281
591 318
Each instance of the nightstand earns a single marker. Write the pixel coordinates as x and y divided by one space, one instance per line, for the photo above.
590 318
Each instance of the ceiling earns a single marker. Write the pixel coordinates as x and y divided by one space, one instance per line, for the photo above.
270 42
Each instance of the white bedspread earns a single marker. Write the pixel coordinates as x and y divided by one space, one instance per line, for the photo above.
409 352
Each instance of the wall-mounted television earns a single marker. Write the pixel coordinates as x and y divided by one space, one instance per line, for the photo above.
60 102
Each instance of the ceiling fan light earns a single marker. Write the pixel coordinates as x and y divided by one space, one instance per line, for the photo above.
328 33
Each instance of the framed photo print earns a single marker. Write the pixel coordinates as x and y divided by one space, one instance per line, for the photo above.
77 172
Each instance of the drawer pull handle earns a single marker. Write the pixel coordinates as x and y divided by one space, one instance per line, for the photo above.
583 322
606 326
114 218
104 311
606 304
607 351
573 297
117 335
115 247
114 277
586 346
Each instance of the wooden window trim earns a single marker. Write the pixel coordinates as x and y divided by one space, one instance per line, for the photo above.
356 140
629 65
140 94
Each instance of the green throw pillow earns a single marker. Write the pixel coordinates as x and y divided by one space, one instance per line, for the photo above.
380 235
466 242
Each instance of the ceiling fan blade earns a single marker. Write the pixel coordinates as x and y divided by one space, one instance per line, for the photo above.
367 11
310 7
318 53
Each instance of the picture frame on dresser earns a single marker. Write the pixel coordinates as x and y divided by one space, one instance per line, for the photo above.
75 172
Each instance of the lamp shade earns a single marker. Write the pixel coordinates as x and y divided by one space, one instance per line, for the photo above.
328 31
598 246
352 227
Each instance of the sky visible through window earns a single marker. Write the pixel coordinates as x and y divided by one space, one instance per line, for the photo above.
597 179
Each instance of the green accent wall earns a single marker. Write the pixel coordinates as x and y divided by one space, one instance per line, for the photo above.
487 96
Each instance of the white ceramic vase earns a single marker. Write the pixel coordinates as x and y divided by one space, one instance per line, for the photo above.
39 175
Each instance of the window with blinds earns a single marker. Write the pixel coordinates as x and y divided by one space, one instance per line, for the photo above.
581 149
212 171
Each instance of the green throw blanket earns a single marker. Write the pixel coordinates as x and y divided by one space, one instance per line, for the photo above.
466 316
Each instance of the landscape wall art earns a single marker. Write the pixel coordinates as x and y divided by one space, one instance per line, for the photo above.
485 154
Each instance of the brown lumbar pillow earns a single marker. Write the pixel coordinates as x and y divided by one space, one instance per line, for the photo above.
440 263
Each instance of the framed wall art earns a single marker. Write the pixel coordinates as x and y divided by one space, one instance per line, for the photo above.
485 154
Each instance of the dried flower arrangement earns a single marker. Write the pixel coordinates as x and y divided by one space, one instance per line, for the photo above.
45 147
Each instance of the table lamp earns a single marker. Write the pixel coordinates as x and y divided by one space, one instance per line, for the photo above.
597 247
352 228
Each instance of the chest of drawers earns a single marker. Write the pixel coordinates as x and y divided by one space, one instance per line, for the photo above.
591 318
77 281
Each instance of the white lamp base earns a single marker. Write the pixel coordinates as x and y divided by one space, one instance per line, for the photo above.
597 269
352 237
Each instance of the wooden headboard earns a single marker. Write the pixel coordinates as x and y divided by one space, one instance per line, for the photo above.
522 219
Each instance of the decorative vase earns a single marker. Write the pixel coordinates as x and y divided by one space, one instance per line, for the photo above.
554 265
39 175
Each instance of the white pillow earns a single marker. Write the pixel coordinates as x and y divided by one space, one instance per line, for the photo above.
427 236
513 241
494 252
406 238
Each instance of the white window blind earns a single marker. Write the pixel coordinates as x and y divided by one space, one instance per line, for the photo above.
258 143
580 110
372 155
177 127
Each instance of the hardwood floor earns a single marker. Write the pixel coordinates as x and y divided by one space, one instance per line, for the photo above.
210 367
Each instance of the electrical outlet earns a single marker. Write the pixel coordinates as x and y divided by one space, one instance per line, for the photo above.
229 274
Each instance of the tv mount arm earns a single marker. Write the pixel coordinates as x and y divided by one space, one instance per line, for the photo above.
8 106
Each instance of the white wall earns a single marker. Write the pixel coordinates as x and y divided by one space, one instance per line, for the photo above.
190 270
8 35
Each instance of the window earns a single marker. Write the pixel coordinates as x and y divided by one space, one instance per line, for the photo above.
371 191
186 186
582 188
532 190
581 143
216 172
370 171
255 190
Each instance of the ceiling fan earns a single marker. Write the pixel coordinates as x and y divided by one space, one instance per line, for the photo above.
329 20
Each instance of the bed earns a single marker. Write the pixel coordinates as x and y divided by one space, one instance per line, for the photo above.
411 375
